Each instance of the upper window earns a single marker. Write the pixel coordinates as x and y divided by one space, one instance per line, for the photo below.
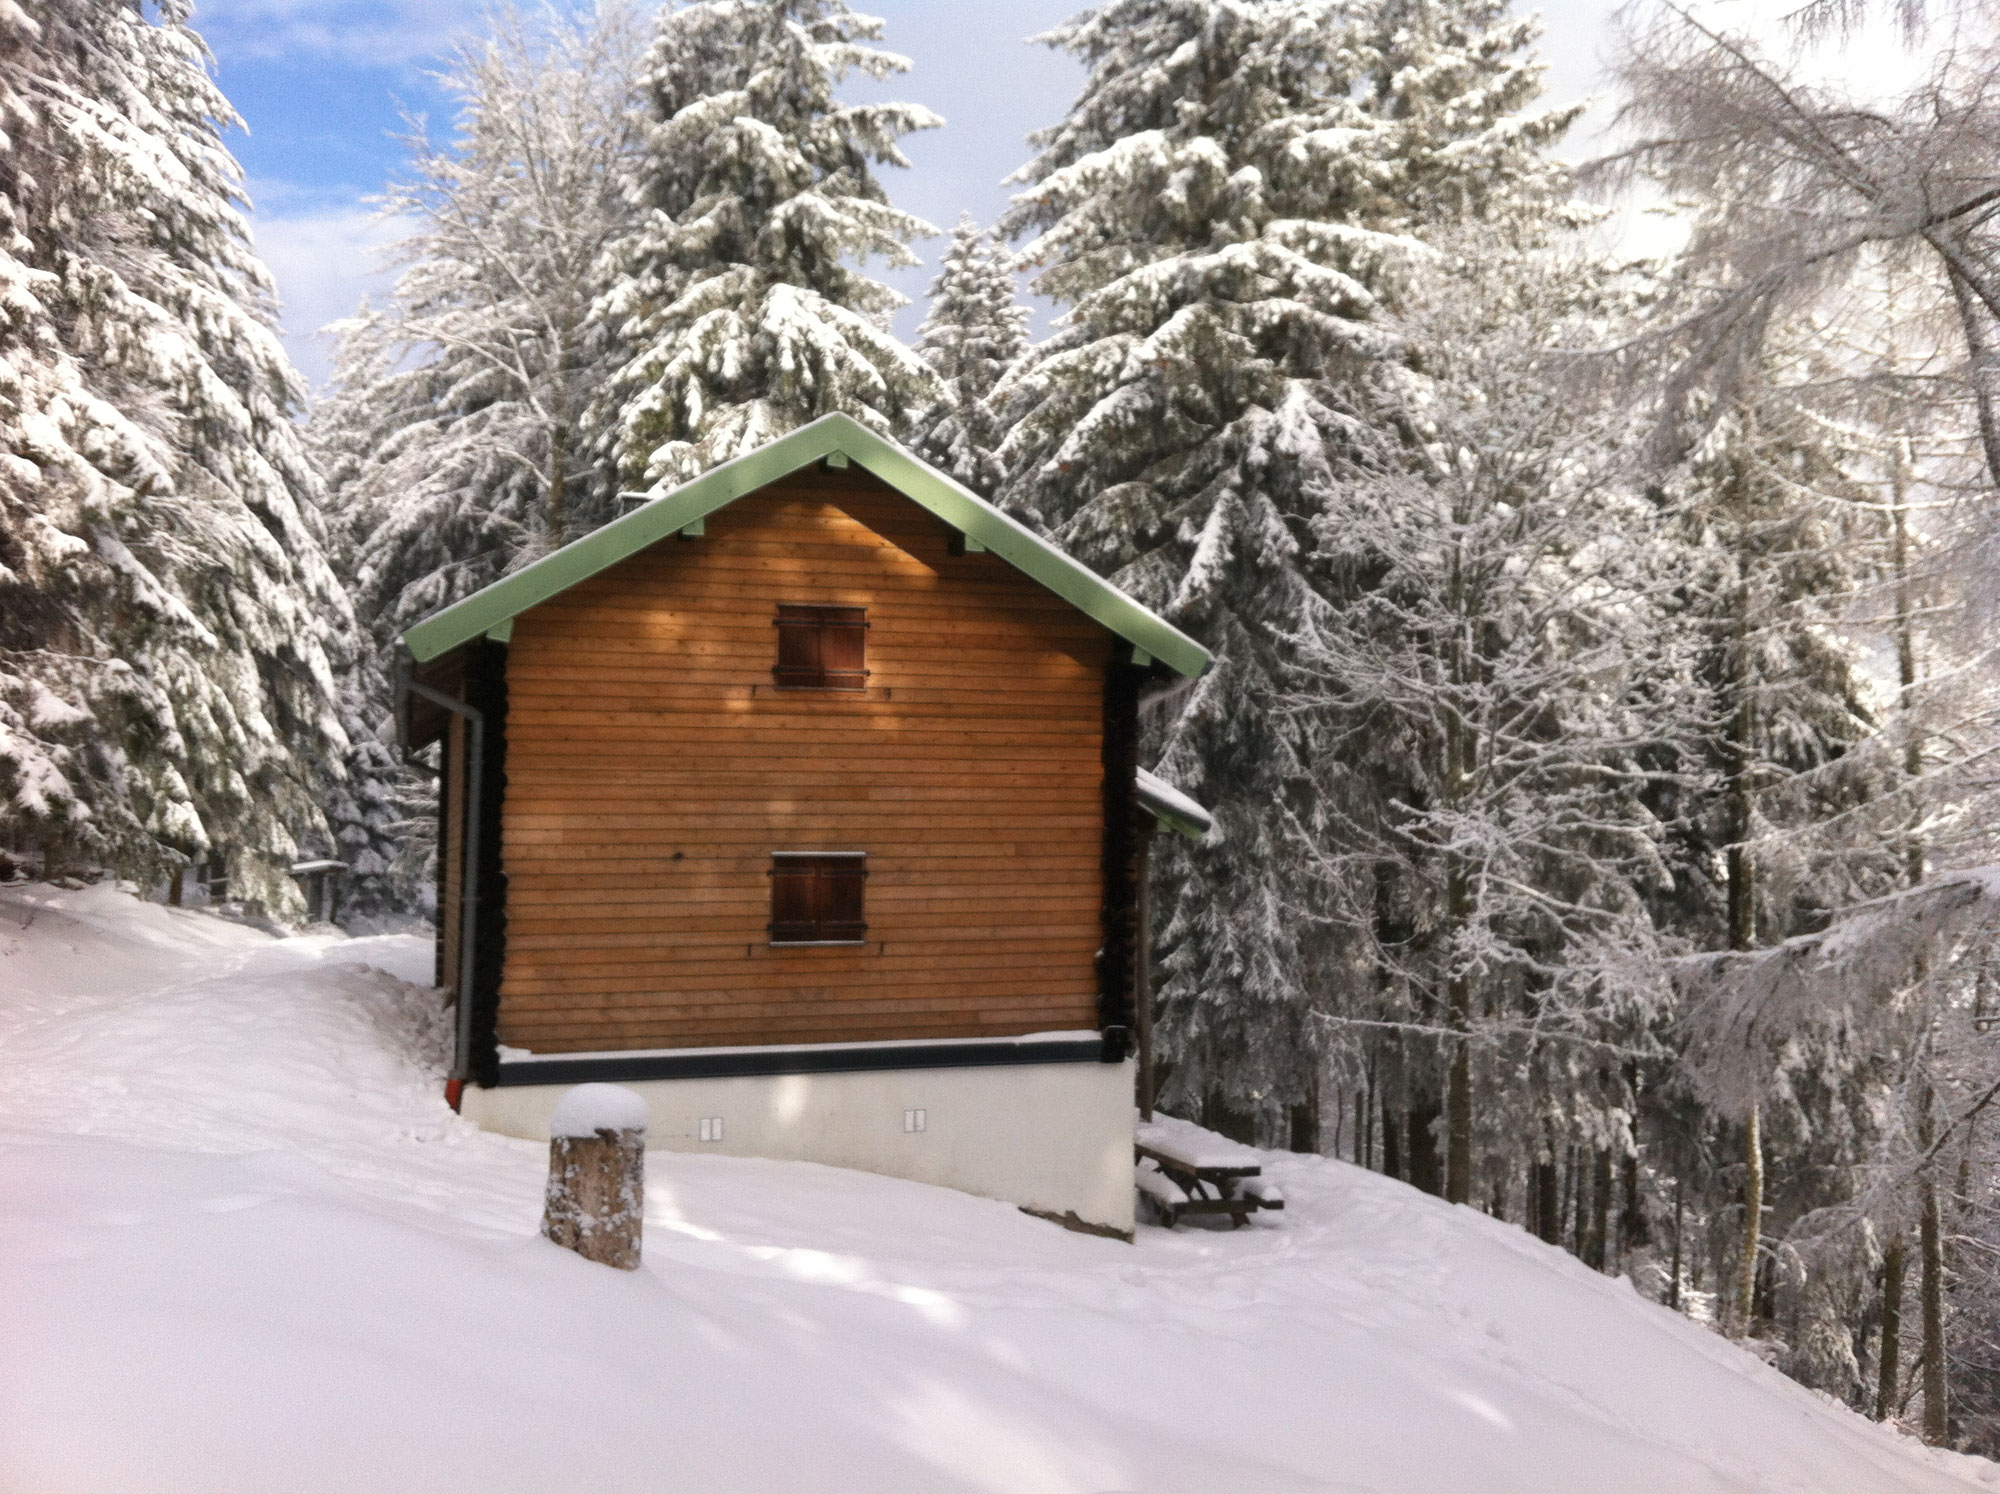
822 648
816 897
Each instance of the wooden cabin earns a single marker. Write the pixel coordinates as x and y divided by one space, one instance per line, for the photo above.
804 800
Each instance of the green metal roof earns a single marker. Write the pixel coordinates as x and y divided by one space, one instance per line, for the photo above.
1171 807
494 609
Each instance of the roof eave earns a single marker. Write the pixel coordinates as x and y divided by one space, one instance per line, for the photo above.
1171 807
492 610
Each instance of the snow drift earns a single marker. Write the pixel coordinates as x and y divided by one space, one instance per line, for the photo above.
245 1246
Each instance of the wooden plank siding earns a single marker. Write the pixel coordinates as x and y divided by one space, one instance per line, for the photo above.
653 767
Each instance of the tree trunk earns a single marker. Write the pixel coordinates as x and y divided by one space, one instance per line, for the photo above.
1680 1215
1984 361
1930 1243
1892 1331
1576 1206
1600 1211
1753 1221
1304 1119
175 886
1458 1098
1743 935
1930 1226
1460 753
1458 1081
1548 1201
1632 1219
1565 1188
1906 657
1364 1127
1392 1147
1961 1193
595 1203
558 497
1142 974
1421 1141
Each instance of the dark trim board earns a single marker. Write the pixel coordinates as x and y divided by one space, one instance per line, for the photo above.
1116 955
486 692
618 1067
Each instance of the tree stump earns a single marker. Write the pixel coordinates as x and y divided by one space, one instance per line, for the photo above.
596 1197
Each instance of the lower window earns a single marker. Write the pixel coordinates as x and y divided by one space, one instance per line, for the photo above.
817 897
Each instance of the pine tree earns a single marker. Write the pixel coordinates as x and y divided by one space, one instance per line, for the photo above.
169 625
1224 211
737 303
975 332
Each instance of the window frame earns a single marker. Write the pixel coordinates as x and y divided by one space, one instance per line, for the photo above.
816 620
853 867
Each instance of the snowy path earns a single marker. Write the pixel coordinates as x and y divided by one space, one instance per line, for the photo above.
244 1246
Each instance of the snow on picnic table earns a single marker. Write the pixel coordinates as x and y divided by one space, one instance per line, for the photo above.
1192 1146
244 1246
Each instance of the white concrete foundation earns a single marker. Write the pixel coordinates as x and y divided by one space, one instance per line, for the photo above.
1055 1137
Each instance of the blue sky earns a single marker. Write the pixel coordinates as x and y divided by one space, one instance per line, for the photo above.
322 85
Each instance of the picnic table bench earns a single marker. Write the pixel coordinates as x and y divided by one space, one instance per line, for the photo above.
1182 1169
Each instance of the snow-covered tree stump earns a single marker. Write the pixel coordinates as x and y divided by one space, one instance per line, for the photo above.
596 1196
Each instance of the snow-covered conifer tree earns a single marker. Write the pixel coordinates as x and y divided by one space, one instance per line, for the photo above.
975 332
738 301
168 622
1223 211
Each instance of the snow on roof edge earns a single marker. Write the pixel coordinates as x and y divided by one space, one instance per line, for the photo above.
1171 807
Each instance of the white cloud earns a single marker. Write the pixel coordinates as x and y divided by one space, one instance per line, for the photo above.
385 33
324 261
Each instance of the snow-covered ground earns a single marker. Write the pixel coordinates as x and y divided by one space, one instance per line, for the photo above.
245 1246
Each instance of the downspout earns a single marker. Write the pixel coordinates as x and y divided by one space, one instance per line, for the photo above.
1142 965
468 924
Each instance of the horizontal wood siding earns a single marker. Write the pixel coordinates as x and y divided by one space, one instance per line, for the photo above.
653 767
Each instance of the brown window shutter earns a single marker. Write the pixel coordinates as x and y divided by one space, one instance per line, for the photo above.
843 647
798 647
794 901
842 883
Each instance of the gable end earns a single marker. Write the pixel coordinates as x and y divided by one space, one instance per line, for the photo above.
491 611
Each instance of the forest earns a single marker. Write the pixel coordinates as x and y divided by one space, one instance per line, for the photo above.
1601 738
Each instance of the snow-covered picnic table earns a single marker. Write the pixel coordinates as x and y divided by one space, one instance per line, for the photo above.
1183 1169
